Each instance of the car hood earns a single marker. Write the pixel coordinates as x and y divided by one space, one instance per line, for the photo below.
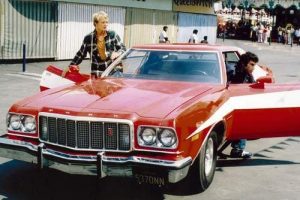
147 98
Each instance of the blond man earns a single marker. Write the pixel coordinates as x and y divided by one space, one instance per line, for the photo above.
103 46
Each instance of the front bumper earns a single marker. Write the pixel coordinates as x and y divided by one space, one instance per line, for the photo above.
100 164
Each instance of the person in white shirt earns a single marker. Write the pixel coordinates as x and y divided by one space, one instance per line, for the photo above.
297 35
267 33
280 34
289 33
194 38
260 31
163 37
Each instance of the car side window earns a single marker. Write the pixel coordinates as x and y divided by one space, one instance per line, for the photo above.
231 58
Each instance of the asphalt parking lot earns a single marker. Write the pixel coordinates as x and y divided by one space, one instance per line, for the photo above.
273 172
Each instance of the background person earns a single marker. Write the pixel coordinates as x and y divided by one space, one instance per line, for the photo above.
280 33
297 35
102 44
253 33
289 34
194 38
204 41
260 31
267 34
163 36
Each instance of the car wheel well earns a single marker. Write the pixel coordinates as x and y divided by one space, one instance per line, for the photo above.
219 128
201 173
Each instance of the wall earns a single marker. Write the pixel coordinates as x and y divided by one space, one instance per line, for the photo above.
149 4
75 21
143 26
56 30
205 24
32 23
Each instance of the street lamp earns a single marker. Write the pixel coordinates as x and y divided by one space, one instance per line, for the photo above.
229 3
271 5
245 4
291 34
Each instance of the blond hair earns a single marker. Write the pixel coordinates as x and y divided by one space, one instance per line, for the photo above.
99 15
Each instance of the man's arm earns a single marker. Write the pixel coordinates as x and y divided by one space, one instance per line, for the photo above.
81 54
119 47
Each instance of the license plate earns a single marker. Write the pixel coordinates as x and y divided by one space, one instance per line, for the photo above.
149 179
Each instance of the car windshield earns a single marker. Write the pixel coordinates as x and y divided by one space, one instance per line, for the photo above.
168 65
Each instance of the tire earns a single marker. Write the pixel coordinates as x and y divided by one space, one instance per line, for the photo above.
202 171
207 162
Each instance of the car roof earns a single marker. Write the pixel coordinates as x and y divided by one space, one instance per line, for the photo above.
187 47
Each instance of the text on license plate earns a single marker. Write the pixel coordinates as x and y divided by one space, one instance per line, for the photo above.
153 180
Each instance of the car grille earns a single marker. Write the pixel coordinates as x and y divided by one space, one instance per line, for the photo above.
85 135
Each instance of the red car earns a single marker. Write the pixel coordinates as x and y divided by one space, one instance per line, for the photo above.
159 113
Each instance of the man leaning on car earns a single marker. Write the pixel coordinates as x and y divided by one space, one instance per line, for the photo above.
243 74
102 44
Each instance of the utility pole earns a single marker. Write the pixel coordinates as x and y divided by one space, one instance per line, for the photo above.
271 4
24 57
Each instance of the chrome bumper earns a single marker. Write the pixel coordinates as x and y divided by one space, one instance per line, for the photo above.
100 164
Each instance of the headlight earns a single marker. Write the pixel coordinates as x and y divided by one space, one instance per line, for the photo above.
148 136
15 122
167 137
157 137
21 123
29 124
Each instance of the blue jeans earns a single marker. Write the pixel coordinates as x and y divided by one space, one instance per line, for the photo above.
239 144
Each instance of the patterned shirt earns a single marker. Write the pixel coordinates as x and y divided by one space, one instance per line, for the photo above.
112 44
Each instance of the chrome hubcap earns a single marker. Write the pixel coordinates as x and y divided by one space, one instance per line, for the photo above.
209 156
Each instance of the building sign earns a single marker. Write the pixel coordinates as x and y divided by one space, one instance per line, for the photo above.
194 6
146 4
207 3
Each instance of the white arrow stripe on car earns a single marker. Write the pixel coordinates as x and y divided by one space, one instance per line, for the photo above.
286 99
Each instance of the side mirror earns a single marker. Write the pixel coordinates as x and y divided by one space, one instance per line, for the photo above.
260 82
265 79
258 85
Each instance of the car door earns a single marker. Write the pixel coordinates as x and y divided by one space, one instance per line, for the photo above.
262 110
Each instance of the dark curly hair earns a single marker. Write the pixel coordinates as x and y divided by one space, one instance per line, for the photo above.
245 59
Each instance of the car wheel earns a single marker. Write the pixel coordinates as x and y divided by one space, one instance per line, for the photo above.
207 162
202 171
